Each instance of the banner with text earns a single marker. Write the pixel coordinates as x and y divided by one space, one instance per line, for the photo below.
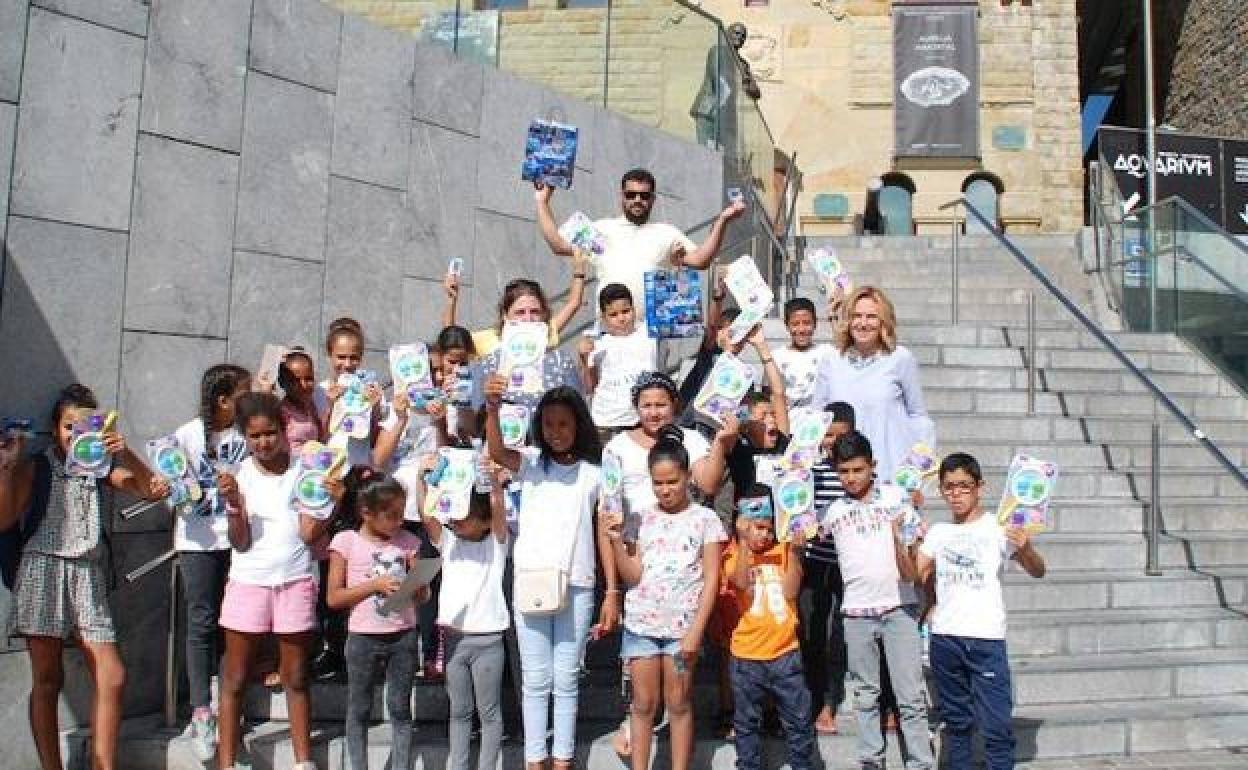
936 80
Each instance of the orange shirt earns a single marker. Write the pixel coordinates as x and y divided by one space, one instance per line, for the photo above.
767 627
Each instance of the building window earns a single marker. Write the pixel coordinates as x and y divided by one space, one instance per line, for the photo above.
502 5
897 204
983 190
757 3
583 3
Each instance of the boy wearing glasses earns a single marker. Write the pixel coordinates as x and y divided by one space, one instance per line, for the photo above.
634 244
968 655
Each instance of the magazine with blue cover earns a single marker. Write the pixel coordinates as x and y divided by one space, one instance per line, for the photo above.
550 154
674 303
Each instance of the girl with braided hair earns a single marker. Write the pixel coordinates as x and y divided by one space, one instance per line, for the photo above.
201 539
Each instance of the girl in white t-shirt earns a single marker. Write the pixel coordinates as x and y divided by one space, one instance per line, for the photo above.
669 556
473 613
968 656
203 546
616 359
556 543
272 584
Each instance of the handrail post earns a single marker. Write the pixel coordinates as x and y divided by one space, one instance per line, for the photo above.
953 262
1031 354
1152 562
171 657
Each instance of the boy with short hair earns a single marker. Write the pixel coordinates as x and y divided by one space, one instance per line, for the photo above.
799 360
880 603
764 577
823 637
613 361
968 653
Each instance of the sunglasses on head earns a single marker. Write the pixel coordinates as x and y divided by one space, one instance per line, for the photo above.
638 194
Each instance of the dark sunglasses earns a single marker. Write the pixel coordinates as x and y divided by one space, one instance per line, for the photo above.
638 194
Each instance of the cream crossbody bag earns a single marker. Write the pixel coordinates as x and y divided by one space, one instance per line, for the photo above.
544 590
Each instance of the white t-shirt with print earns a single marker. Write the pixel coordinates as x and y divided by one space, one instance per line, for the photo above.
556 524
204 526
359 450
633 250
637 488
277 554
419 439
620 360
801 372
969 561
864 545
665 601
471 597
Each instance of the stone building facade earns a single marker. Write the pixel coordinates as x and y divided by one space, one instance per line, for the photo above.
825 69
1203 62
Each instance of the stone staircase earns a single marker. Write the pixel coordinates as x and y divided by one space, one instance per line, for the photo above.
1106 660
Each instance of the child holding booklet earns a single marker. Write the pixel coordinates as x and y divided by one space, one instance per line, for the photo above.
473 612
968 656
366 566
799 360
616 359
880 604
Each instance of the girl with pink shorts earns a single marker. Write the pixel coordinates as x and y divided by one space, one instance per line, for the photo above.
272 584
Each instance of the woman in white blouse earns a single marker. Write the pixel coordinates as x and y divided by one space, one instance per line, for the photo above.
869 370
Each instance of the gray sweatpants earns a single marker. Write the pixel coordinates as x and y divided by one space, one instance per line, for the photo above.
474 680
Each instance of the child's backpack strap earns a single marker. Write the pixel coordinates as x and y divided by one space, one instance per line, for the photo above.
14 539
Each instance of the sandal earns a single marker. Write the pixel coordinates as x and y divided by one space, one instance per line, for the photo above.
622 740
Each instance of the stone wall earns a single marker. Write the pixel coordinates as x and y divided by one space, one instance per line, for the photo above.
183 182
1203 44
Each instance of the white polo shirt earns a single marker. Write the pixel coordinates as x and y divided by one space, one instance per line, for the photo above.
633 250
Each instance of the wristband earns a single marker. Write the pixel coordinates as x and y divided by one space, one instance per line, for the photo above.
578 275
768 361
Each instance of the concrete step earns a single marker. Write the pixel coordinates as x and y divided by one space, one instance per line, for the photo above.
1084 381
958 401
1077 632
1116 516
1115 551
1117 589
1142 676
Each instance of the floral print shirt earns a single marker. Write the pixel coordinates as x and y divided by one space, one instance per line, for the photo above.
664 603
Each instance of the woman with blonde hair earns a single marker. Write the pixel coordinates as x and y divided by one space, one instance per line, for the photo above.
880 378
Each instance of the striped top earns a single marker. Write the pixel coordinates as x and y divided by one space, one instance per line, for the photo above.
828 488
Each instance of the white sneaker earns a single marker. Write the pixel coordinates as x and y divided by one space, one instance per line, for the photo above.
203 731
309 765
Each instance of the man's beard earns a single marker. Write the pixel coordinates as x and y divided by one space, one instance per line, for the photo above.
637 219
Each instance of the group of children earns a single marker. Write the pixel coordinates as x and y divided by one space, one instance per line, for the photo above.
539 550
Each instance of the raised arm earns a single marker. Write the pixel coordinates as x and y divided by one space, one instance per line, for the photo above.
499 453
701 257
609 615
451 284
16 476
498 509
130 474
1025 553
775 379
576 293
714 313
237 527
905 563
389 436
793 569
627 558
708 473
546 222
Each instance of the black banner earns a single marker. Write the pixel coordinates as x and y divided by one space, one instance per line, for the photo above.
1235 185
936 80
1187 166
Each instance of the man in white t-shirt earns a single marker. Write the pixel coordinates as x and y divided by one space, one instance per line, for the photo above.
968 655
634 244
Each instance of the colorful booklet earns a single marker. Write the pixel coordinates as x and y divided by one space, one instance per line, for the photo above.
579 231
1028 491
831 271
674 303
87 455
806 427
728 382
317 463
918 465
513 423
550 154
412 374
896 498
753 295
169 459
450 484
353 412
520 356
794 492
270 364
612 485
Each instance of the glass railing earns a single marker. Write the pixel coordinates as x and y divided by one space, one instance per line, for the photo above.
1182 273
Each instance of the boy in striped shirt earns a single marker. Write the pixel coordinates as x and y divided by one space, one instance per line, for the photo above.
823 641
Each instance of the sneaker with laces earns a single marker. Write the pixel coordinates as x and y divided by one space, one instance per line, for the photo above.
203 734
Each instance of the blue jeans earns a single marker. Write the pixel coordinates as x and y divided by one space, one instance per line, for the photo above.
550 662
973 690
898 631
784 679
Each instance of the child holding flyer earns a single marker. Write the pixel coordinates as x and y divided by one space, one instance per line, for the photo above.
799 360
616 359
880 604
765 577
968 655
365 566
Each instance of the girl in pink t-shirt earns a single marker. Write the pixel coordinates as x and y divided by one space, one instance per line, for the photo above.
366 566
297 376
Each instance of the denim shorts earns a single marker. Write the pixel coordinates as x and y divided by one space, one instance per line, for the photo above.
640 646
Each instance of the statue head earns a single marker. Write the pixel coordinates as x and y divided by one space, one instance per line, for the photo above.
737 34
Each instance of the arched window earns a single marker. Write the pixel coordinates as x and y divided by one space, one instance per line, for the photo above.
897 204
983 190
